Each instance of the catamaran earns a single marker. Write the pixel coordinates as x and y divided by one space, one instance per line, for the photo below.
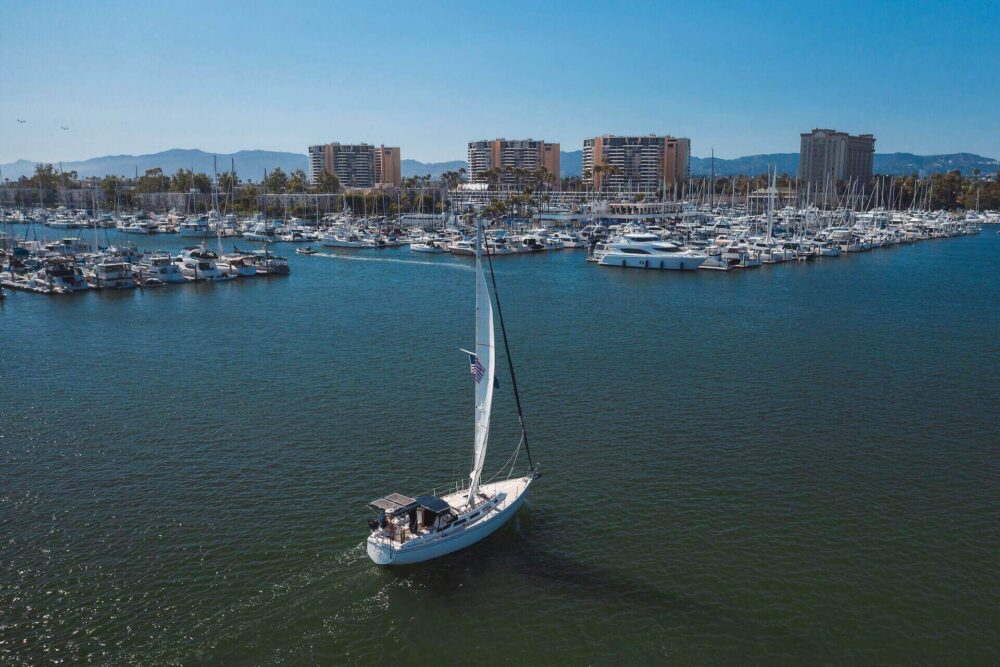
412 530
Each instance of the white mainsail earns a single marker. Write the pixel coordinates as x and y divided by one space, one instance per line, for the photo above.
485 354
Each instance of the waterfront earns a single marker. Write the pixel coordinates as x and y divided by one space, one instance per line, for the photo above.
797 463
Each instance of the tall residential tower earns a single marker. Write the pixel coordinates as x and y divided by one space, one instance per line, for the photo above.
829 156
643 163
529 154
356 165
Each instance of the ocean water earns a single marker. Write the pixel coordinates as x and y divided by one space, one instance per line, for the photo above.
793 464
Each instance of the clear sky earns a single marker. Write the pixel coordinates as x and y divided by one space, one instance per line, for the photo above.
742 78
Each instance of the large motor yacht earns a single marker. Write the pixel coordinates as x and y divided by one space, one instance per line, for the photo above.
112 273
199 228
342 238
646 251
198 264
160 266
61 277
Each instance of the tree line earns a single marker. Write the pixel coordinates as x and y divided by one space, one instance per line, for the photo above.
949 190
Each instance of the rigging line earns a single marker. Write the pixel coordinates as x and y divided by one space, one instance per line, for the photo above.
510 362
512 461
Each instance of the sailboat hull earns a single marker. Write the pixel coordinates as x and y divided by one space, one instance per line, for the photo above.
424 548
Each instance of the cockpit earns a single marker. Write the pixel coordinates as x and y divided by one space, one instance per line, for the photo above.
401 518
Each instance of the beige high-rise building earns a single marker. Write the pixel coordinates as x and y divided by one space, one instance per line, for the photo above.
829 156
643 163
530 154
356 165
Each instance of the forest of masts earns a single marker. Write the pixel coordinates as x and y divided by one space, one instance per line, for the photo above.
947 191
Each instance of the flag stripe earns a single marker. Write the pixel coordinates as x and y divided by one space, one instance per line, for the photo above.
477 369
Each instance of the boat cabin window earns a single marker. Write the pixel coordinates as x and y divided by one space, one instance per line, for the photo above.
634 251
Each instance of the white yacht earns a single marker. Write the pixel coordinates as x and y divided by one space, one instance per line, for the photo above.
260 232
646 251
198 264
428 244
718 261
237 264
68 246
135 226
463 247
199 228
268 264
61 277
111 273
413 530
160 266
571 239
343 238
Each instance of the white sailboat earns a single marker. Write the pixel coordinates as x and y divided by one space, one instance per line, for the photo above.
412 530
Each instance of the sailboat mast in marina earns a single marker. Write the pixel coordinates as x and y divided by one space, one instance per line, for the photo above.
415 529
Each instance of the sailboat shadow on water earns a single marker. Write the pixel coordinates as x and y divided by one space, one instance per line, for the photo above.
518 557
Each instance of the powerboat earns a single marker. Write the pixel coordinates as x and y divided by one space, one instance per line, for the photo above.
112 273
199 228
237 264
463 247
267 264
647 251
199 264
342 238
160 266
61 277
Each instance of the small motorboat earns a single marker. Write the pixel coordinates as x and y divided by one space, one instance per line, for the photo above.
308 250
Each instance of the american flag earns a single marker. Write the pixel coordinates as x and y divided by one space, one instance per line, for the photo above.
477 369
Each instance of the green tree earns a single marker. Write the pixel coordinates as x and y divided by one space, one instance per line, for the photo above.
152 181
45 177
276 181
203 182
182 181
326 183
297 182
228 181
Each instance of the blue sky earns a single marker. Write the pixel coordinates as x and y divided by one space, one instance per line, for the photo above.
739 77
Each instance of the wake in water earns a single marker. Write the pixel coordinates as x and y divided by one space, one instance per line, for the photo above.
340 576
357 258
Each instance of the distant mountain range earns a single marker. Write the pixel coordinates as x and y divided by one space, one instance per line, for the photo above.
435 169
251 164
896 164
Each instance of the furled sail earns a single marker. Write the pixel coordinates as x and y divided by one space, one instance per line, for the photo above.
483 367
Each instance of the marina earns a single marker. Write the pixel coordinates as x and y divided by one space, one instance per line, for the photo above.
505 334
693 237
216 503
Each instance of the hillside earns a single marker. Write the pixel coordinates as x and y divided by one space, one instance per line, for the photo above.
252 163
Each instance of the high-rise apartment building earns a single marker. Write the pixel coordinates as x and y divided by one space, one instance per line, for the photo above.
356 165
828 156
529 154
643 163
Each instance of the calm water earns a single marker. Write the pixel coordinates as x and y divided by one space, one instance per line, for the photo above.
793 464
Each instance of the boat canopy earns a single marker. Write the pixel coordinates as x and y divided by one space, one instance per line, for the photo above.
392 502
433 503
397 504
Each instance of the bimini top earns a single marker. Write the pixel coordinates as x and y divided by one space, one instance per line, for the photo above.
434 504
391 502
396 503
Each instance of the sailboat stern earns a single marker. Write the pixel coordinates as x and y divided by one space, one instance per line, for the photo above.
380 551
